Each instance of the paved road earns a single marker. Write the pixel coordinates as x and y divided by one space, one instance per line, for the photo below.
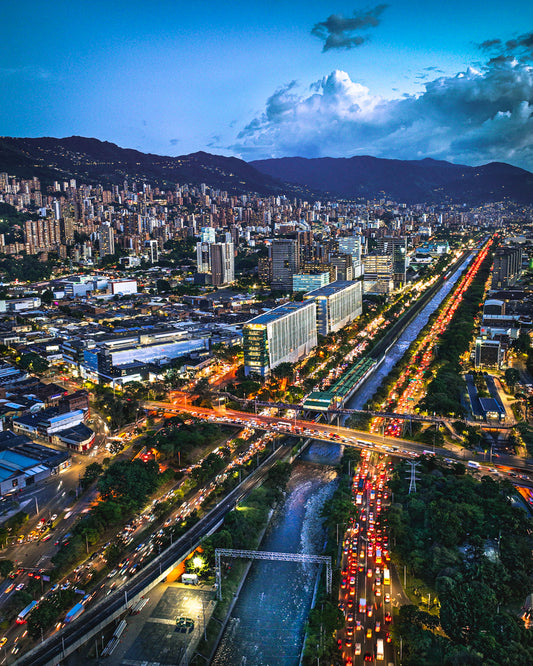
52 650
348 436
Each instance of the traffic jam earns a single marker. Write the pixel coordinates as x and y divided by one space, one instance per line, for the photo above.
409 387
365 594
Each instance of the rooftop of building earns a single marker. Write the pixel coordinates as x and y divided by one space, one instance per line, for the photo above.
280 311
77 434
331 288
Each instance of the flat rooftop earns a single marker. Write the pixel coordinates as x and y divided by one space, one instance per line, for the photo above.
281 311
330 289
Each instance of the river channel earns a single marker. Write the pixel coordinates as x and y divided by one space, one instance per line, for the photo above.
395 353
267 624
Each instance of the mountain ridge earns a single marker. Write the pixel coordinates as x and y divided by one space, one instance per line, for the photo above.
410 181
427 180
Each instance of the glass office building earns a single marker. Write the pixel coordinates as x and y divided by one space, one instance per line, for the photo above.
285 334
337 304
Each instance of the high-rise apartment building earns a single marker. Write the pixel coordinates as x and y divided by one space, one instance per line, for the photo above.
202 257
222 263
285 257
152 247
106 240
397 249
41 235
264 270
343 265
507 267
352 245
216 261
378 275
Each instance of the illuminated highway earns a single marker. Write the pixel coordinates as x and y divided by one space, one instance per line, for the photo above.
402 448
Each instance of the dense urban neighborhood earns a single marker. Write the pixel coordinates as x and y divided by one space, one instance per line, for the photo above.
262 427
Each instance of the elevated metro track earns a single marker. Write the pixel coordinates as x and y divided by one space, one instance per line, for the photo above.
341 411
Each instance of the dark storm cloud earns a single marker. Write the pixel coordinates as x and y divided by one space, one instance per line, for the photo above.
490 44
340 32
477 116
520 47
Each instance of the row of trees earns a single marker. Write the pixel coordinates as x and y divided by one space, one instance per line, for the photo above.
241 529
469 543
183 434
124 489
119 409
445 391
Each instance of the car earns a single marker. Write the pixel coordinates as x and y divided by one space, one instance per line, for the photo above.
358 625
19 587
349 618
368 656
369 632
3 641
370 611
349 631
388 618
65 585
387 598
378 626
54 587
8 589
388 637
348 642
357 649
369 573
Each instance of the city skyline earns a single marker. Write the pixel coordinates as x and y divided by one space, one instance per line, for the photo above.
398 80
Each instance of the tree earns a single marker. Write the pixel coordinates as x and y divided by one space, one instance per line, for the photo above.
511 377
47 296
92 472
523 343
283 371
34 363
163 286
6 567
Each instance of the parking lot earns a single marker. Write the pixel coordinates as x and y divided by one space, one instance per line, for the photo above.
154 636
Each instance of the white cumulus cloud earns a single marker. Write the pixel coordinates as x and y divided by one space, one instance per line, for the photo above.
477 116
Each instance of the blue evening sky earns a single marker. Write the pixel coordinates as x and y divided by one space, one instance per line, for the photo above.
404 78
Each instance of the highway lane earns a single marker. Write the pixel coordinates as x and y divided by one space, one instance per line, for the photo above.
365 594
53 648
402 448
